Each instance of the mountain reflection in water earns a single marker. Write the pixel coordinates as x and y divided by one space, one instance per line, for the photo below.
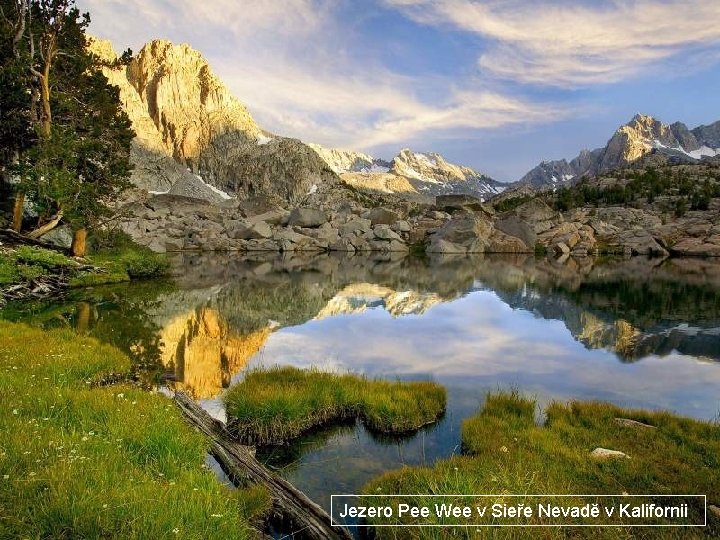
222 310
635 332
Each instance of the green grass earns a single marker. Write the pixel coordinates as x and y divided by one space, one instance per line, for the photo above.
507 452
138 262
276 405
27 263
78 461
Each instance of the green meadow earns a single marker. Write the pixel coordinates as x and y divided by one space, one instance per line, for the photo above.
79 460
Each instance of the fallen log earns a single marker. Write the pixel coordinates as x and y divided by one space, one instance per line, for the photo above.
240 465
10 238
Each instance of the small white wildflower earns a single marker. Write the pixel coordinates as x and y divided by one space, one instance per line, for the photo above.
6 477
84 438
15 411
176 530
216 515
504 449
121 395
104 505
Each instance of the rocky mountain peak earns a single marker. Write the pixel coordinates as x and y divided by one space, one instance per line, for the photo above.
642 135
432 174
189 105
429 167
349 161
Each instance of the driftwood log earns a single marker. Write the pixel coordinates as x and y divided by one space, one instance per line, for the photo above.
240 465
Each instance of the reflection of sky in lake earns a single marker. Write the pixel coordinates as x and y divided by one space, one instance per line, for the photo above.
473 345
478 342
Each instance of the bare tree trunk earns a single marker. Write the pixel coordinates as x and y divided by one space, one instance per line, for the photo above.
78 243
18 211
22 7
49 226
46 113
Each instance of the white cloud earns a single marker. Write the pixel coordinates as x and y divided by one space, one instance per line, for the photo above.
292 63
575 44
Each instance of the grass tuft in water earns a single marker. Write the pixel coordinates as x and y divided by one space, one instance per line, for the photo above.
276 405
507 452
110 462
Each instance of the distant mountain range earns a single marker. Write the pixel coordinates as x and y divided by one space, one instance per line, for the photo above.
194 138
641 136
409 172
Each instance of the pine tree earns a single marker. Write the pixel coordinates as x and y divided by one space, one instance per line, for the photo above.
80 159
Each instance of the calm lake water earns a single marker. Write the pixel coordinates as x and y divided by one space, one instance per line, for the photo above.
635 332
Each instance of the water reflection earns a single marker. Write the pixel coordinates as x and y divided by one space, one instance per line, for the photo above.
635 332
221 311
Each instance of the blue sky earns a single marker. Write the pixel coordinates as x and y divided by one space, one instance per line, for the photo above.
497 85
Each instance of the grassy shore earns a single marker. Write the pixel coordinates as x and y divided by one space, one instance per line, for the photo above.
29 264
507 452
81 461
276 405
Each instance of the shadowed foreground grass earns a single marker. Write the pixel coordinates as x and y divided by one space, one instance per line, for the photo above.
506 452
108 462
276 405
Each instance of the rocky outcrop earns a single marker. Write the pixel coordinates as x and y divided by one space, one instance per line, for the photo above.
642 136
190 107
195 139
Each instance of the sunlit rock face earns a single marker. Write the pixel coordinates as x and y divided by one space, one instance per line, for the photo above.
358 297
172 95
204 353
195 139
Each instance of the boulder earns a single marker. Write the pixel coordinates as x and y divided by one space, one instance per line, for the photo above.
272 217
384 232
61 237
466 233
538 215
307 217
636 242
504 243
699 247
514 226
355 226
443 247
452 203
382 216
343 245
251 231
401 226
